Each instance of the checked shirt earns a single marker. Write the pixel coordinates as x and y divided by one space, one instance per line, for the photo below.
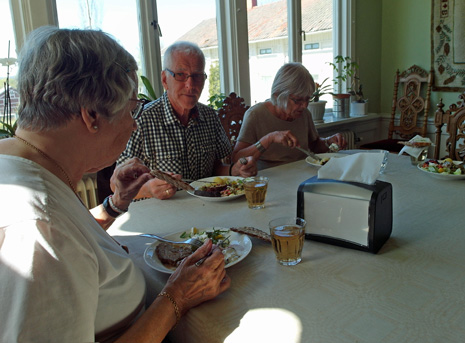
162 142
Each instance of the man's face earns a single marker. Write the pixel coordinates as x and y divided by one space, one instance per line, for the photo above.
184 95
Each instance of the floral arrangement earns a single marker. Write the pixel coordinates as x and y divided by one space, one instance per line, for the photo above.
320 90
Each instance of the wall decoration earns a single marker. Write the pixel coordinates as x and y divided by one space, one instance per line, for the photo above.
448 45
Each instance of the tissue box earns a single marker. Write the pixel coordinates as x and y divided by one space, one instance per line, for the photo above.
347 214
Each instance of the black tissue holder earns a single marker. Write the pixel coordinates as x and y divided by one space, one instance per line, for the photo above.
347 214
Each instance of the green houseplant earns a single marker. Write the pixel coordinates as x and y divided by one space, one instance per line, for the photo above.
148 86
359 105
7 130
8 123
216 101
346 70
317 106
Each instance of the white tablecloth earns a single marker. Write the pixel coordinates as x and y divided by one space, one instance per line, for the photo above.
413 290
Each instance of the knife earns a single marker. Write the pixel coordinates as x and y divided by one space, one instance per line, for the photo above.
309 153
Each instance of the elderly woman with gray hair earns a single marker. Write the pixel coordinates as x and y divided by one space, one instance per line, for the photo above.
62 277
272 129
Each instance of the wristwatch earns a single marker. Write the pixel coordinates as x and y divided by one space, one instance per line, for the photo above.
111 209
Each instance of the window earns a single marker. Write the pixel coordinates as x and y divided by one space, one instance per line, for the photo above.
9 98
312 46
225 30
105 15
267 25
265 51
195 21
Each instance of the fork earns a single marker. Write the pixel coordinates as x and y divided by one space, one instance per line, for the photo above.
196 243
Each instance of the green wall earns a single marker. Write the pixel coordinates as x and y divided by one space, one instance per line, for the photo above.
368 50
391 35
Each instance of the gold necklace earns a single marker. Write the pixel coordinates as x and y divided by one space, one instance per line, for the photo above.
51 160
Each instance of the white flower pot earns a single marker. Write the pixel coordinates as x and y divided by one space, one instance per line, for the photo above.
317 109
358 108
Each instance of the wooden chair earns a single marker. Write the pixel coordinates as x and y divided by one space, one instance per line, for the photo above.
454 118
231 115
411 100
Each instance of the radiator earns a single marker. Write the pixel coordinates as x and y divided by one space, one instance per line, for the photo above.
350 138
87 190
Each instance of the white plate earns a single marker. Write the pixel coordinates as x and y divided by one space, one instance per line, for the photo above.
314 163
441 175
241 242
202 182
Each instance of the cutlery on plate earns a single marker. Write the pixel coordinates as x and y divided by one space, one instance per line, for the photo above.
309 153
196 243
190 181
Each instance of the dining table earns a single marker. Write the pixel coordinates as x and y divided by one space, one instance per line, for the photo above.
411 290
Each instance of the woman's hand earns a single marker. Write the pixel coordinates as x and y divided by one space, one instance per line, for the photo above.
127 179
191 285
338 139
285 138
245 167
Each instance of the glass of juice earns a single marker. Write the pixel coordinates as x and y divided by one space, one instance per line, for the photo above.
287 237
255 191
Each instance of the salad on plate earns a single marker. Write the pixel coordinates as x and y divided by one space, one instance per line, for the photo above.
219 187
444 167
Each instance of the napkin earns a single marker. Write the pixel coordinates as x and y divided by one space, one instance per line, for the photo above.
415 152
363 167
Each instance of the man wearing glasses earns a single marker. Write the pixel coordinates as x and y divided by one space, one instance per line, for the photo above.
178 134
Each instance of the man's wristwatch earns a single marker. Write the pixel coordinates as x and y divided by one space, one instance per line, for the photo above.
111 209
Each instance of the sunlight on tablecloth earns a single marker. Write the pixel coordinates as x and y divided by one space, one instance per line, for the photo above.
267 325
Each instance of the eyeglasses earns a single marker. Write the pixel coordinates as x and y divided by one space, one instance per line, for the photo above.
182 77
140 103
300 102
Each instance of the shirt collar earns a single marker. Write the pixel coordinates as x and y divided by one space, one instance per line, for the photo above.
194 112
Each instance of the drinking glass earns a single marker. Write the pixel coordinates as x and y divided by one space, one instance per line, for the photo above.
420 158
287 238
255 191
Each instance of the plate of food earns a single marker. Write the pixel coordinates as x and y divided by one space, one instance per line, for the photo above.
218 188
324 158
165 257
443 169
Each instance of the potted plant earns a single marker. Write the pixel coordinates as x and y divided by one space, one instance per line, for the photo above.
216 101
317 106
149 88
8 123
359 106
345 69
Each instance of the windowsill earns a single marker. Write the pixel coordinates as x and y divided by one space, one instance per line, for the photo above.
330 121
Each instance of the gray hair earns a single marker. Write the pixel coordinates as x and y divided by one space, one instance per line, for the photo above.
185 48
62 71
292 78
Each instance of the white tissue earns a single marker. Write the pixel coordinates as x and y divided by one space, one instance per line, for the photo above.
412 151
363 167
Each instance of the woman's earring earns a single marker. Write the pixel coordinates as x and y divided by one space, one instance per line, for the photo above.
95 127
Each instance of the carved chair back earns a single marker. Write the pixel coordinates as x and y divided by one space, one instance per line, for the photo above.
231 116
411 100
454 119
